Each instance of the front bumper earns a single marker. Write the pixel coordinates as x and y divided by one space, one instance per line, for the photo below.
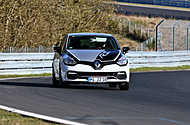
81 73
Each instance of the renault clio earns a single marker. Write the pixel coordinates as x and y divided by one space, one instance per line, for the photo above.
90 58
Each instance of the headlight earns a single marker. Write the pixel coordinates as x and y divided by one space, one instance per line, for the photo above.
69 60
122 61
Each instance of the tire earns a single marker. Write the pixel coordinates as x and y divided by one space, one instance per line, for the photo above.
54 80
61 83
124 86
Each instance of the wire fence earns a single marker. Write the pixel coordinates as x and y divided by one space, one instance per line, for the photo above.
173 35
27 49
139 32
139 29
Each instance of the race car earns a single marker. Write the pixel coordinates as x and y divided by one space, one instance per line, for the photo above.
90 58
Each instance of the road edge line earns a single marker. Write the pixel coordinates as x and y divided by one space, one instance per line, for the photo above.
43 117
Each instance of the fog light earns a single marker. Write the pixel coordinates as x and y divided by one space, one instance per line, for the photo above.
72 75
121 75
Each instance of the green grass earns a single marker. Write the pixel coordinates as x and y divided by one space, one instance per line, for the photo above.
144 69
8 118
30 75
147 69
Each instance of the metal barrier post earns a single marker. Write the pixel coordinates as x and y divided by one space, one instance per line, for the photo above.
40 49
129 26
26 49
11 49
141 30
156 44
187 39
135 27
173 37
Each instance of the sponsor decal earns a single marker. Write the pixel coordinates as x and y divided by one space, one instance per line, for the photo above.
108 55
105 53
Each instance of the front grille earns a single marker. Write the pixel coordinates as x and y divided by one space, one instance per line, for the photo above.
97 73
87 74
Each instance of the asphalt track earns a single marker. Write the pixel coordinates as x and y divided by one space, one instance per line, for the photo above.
152 11
156 98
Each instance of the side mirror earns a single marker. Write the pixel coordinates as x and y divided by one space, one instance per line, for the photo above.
57 49
125 49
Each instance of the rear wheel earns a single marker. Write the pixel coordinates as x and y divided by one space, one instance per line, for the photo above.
124 86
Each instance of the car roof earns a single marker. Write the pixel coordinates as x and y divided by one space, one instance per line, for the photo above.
89 34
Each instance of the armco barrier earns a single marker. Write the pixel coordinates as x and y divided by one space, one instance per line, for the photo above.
25 63
37 63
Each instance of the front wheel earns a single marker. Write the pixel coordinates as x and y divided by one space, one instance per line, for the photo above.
124 86
61 83
55 82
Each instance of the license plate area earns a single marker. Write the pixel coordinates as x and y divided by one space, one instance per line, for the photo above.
97 79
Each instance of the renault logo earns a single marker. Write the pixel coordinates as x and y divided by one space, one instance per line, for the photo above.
97 64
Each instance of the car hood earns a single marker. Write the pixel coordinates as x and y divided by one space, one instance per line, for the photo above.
92 55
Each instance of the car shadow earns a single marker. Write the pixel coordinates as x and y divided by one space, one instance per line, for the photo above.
24 84
46 85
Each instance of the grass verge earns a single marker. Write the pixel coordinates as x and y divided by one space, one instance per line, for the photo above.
30 75
148 69
143 69
8 118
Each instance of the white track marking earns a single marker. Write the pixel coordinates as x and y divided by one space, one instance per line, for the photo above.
44 117
130 118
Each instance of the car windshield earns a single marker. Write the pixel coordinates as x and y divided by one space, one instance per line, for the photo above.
92 42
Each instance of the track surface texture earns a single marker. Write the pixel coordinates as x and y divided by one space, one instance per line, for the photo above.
152 11
155 98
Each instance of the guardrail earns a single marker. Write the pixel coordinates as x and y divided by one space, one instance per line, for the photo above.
25 63
38 63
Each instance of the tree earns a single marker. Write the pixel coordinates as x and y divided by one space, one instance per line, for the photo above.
36 22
